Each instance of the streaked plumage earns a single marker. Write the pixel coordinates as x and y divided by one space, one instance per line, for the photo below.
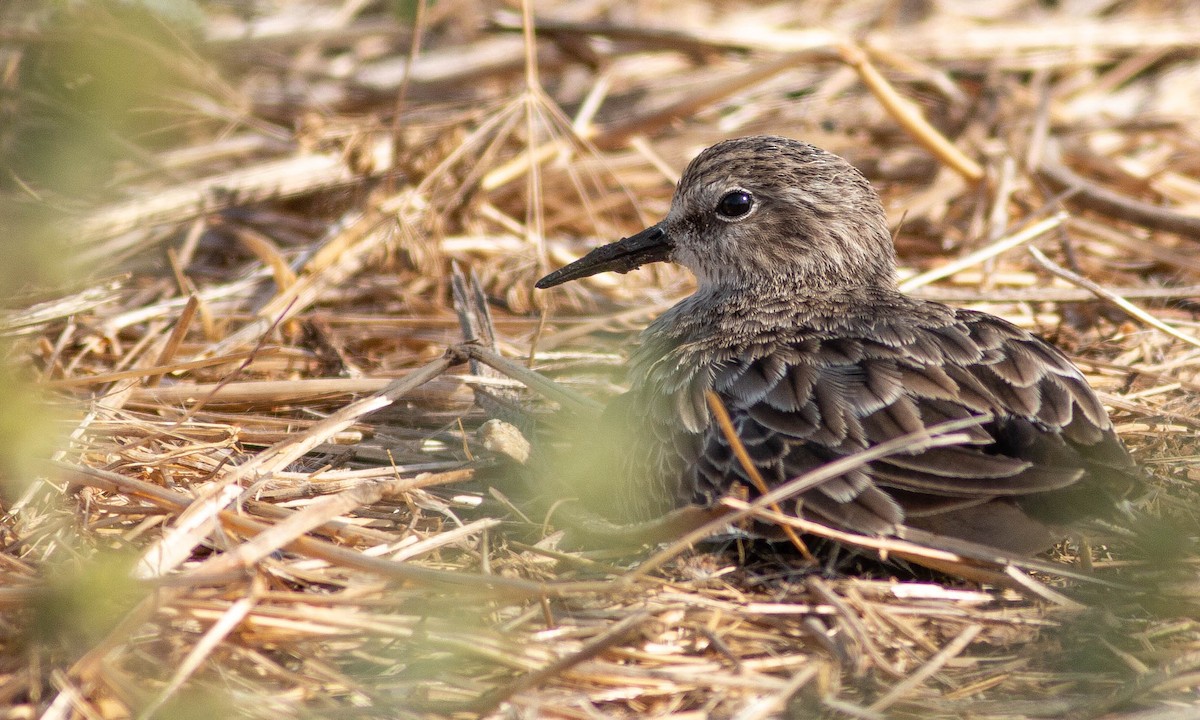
798 327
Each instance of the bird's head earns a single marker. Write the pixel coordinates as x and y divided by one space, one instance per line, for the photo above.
761 210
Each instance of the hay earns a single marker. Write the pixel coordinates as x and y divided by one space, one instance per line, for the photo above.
264 493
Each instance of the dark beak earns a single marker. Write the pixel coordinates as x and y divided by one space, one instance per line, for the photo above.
650 245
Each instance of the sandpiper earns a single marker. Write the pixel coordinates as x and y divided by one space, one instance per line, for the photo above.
798 326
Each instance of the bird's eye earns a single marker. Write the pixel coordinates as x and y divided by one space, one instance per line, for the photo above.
735 204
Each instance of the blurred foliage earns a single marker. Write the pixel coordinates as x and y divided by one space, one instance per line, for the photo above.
82 602
27 434
82 94
406 10
77 80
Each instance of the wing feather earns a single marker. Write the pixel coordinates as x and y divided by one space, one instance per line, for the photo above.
823 392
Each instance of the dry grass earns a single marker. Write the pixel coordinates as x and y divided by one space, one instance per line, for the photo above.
265 495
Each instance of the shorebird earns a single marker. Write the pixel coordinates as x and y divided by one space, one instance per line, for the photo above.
798 327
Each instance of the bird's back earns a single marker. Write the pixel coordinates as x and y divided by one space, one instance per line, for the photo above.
809 381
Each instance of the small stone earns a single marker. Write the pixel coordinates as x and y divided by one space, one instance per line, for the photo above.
504 439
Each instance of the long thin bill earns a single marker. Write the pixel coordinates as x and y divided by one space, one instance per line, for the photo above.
648 246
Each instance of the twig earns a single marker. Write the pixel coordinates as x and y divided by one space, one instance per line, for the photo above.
1041 590
1029 234
533 380
208 643
908 116
852 620
283 178
1050 294
908 443
617 134
726 424
499 585
948 653
178 333
32 318
194 524
610 637
1184 664
968 560
340 254
157 370
775 703
1114 204
1117 300
252 392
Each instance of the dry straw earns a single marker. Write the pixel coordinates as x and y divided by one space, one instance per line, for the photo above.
267 497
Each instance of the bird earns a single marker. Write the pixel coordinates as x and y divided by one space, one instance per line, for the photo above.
797 325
